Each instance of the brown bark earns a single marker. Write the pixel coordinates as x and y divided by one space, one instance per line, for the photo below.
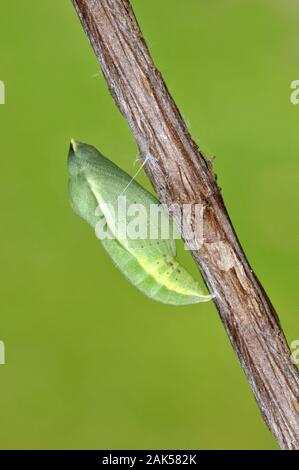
180 174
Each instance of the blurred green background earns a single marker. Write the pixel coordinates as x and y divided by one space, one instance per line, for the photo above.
91 362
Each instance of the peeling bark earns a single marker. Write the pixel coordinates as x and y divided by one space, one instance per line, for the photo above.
181 174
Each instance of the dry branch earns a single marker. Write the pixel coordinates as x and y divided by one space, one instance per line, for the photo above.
180 174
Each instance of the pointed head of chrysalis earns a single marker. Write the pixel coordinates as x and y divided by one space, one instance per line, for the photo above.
83 157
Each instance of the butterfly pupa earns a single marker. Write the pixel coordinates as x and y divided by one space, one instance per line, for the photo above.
95 185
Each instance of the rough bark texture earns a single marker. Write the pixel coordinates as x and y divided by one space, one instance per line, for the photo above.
180 173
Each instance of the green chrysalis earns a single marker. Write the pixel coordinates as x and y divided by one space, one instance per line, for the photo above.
95 187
